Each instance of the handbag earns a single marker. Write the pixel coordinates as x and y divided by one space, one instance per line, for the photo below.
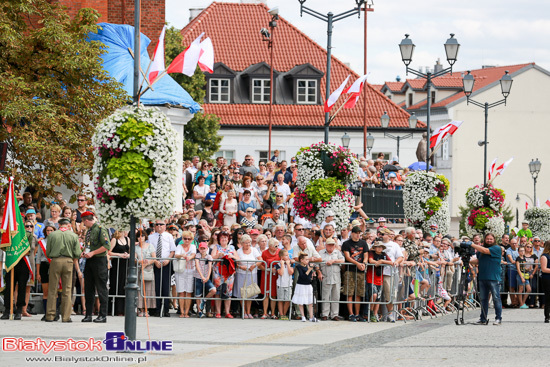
148 273
251 290
179 265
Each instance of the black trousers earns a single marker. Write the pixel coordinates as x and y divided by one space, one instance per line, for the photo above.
546 290
95 279
21 277
162 287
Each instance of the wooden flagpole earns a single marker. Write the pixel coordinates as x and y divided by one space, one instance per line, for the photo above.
156 80
141 70
339 108
438 145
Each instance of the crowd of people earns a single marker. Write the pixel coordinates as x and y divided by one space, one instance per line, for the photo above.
238 249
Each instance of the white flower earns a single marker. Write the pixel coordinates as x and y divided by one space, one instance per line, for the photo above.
157 200
539 222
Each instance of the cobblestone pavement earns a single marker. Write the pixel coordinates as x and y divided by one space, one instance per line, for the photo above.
522 338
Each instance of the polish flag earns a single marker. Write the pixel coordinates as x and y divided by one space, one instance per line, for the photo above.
157 66
329 103
500 169
538 203
443 132
492 168
355 91
186 62
206 58
547 202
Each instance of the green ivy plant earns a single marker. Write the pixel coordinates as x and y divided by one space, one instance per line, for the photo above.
134 132
133 173
323 189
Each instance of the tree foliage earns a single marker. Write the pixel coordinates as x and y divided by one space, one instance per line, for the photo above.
53 92
201 133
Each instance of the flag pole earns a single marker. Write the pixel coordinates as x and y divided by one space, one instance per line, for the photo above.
11 292
141 70
339 108
437 147
156 80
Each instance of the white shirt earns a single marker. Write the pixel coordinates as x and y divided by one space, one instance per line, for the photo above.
299 220
189 265
309 250
202 191
283 189
324 224
167 240
294 242
253 255
393 251
284 280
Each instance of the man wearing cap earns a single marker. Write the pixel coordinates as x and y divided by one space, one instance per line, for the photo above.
329 276
395 255
96 245
64 251
38 227
525 231
354 251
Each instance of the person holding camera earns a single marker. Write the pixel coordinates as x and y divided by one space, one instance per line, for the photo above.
488 258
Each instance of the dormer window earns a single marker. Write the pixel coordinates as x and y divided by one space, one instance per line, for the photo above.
306 91
260 90
219 90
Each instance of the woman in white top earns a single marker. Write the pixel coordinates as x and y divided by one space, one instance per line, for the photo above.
246 271
229 209
199 192
185 283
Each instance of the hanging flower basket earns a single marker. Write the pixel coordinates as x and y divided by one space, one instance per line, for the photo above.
135 166
539 222
324 171
425 201
485 214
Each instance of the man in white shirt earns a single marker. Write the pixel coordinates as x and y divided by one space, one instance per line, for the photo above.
329 275
164 249
394 253
283 188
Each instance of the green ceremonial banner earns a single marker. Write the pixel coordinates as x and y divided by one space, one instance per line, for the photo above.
19 242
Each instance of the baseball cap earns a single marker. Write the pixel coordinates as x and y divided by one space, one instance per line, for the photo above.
392 174
329 213
378 244
254 231
385 231
30 211
356 229
433 225
525 222
355 223
203 245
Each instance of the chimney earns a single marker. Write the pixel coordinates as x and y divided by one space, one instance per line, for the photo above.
438 66
193 12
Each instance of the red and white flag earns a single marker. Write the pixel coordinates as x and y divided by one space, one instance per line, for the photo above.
157 66
526 205
355 91
444 131
206 58
547 202
500 169
492 168
538 203
329 103
186 62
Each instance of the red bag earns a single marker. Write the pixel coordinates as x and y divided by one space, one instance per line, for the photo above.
216 205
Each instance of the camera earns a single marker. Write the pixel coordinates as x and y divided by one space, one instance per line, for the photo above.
465 251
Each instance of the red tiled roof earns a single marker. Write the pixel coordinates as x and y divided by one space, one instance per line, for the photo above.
238 44
378 87
394 86
483 77
416 83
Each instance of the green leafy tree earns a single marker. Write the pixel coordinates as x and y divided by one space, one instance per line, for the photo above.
201 133
53 92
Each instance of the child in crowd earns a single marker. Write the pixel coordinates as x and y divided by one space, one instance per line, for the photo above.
284 283
377 257
524 287
329 219
303 293
212 194
203 284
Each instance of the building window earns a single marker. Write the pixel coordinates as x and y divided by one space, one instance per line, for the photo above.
445 150
227 154
433 96
410 100
306 91
264 157
260 90
219 90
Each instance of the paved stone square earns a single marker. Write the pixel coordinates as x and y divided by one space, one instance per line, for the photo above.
522 338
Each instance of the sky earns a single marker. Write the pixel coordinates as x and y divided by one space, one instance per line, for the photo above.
490 32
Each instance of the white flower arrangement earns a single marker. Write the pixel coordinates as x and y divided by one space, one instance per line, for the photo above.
344 168
420 190
474 197
156 150
494 225
539 222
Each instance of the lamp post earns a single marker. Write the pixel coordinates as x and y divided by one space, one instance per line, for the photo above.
267 36
345 140
330 18
505 86
370 144
385 122
451 50
534 168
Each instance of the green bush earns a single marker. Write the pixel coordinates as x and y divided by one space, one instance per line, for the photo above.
134 131
133 173
323 189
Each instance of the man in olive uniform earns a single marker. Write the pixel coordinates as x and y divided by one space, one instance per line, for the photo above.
64 250
97 244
